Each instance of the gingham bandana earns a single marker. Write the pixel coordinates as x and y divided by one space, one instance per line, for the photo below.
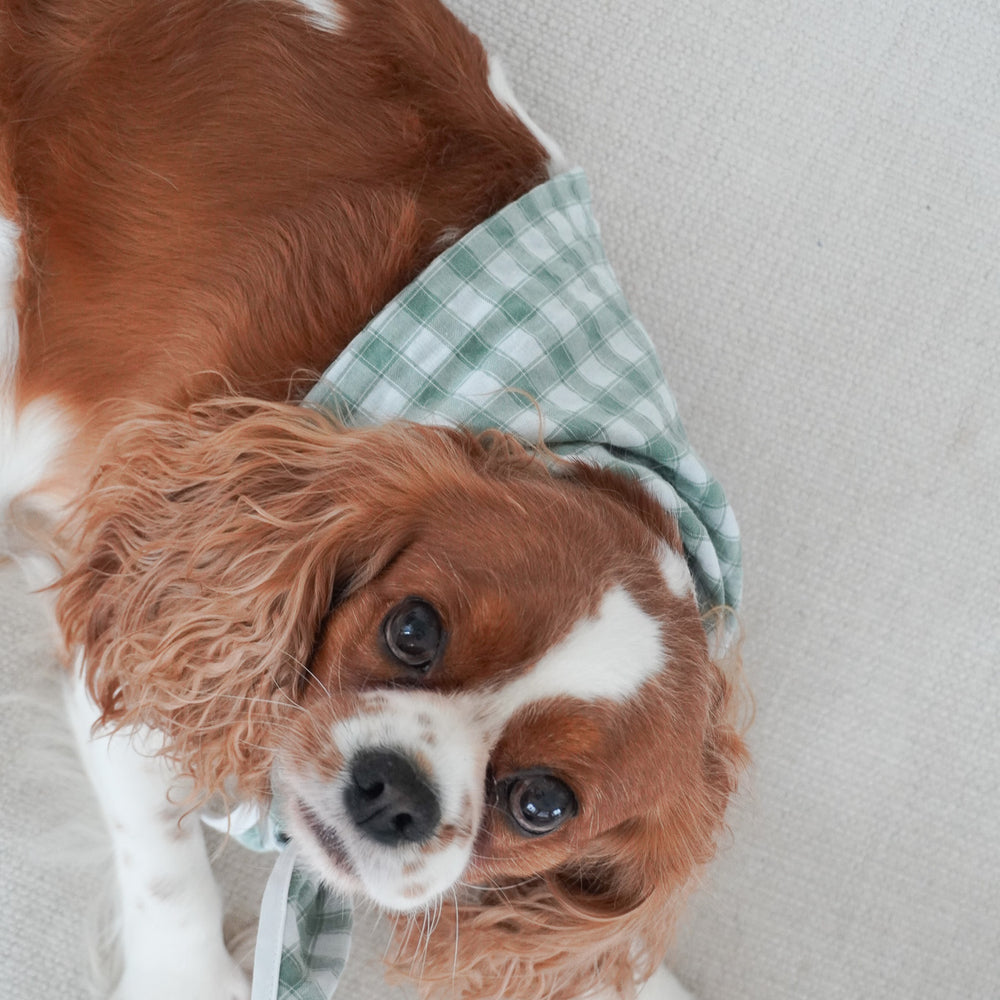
527 301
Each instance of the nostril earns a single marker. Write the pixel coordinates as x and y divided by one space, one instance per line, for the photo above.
390 800
372 791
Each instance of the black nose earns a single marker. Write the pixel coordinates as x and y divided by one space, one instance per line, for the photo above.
389 800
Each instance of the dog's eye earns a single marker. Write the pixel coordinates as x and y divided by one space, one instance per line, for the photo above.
539 803
413 633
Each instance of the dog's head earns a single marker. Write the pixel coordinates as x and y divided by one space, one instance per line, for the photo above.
466 675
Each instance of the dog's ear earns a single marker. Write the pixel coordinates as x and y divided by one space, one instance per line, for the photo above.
200 566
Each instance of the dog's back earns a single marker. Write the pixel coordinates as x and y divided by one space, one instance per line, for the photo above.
220 195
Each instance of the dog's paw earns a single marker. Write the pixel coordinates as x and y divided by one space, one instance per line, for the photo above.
184 979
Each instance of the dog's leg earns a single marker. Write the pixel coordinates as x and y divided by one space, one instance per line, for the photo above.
171 913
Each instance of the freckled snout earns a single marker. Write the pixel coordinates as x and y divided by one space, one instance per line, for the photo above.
389 800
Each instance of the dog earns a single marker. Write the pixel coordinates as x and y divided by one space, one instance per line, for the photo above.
460 665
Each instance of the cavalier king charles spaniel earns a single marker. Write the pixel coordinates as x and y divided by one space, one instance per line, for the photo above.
464 675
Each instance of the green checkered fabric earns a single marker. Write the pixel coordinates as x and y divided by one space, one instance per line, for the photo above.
520 326
304 933
314 948
527 301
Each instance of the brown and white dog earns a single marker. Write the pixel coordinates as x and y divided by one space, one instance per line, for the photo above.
202 202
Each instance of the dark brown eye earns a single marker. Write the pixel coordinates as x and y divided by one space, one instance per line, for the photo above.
413 633
539 803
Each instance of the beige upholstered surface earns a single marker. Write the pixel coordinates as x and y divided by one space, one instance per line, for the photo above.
803 202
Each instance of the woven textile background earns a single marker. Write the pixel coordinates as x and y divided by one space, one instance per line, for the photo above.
802 201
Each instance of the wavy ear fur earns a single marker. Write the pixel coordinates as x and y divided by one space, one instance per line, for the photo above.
203 559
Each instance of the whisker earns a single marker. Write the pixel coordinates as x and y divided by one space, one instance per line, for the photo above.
498 887
309 672
312 673
253 699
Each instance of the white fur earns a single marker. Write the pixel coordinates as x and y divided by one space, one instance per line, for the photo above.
9 236
171 913
323 14
607 657
676 572
30 440
503 92
30 443
12 463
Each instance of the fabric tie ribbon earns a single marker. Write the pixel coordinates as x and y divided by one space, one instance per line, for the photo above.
304 929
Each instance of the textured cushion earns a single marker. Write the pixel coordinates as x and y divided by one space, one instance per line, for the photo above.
803 204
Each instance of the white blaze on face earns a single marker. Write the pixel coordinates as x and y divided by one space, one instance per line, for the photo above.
607 657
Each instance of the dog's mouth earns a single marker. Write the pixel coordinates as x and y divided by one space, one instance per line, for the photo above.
327 839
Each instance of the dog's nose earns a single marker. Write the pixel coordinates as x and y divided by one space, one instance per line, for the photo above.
390 801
